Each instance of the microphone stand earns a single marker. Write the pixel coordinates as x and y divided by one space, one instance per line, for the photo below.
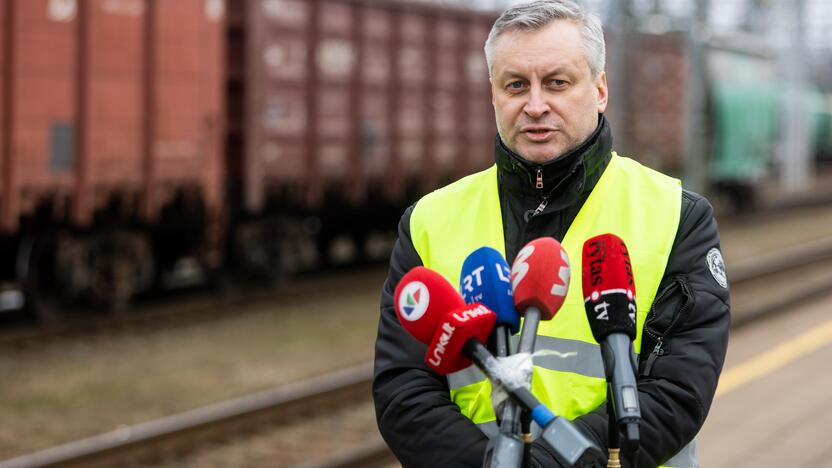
614 460
528 336
506 450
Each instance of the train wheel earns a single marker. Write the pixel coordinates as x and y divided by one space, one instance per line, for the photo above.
120 265
359 240
257 251
35 267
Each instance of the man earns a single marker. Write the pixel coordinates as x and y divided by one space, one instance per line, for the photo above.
556 175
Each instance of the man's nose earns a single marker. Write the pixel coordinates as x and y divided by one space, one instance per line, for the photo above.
536 106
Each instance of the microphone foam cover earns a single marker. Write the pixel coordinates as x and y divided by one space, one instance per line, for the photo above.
421 299
608 286
486 278
540 276
445 353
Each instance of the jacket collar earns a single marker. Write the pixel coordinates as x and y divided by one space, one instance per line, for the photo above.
571 174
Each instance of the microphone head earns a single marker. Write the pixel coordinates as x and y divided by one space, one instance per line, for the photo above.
421 299
608 286
486 278
540 277
445 352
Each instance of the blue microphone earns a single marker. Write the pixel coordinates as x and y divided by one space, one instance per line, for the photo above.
486 279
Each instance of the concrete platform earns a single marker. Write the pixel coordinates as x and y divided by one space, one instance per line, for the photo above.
774 405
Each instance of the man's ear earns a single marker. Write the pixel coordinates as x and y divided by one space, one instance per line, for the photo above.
601 88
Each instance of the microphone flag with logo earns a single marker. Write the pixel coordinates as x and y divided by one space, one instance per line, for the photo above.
540 277
446 352
486 278
609 287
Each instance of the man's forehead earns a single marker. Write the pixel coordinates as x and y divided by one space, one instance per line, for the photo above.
559 31
558 45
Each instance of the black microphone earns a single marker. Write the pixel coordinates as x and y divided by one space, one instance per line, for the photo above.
610 302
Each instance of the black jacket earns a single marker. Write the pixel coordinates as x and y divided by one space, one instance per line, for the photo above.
683 348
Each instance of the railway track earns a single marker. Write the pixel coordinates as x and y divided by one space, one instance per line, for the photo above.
758 289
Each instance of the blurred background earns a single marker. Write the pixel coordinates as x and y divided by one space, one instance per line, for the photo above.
198 199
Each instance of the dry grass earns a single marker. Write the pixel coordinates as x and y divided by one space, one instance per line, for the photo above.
73 390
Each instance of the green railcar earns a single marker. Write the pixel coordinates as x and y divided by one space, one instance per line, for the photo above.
745 125
747 107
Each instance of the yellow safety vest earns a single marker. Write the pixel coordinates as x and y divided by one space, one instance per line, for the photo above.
636 203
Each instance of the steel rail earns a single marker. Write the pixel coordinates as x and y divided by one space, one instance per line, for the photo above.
143 440
785 258
147 439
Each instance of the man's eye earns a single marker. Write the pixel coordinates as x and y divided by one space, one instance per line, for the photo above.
516 85
558 83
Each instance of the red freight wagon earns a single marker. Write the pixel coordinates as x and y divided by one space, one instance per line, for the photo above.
344 110
112 115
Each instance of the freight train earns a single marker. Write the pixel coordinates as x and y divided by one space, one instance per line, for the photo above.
139 138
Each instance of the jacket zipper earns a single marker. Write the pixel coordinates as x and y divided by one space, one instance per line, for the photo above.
539 183
658 349
540 207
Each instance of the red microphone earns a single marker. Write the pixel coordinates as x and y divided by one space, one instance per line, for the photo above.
610 302
433 312
540 277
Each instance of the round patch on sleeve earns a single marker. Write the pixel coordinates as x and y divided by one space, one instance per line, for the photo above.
717 266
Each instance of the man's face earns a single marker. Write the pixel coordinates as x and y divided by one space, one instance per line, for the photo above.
545 99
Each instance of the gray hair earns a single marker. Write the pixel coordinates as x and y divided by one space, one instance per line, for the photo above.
537 14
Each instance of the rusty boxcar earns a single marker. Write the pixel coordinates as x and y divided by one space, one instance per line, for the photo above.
111 129
341 111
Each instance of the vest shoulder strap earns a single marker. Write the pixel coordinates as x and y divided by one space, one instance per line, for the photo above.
442 234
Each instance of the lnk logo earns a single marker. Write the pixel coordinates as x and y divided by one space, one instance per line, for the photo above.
413 301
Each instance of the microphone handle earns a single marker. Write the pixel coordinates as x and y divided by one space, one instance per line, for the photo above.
507 450
507 415
619 365
501 334
614 455
528 336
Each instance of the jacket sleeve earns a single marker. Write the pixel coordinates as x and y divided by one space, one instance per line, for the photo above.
414 411
677 380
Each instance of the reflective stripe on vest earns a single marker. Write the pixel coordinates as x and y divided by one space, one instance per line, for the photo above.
636 203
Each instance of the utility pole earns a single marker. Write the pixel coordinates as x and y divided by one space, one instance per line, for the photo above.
755 16
620 40
696 136
795 148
